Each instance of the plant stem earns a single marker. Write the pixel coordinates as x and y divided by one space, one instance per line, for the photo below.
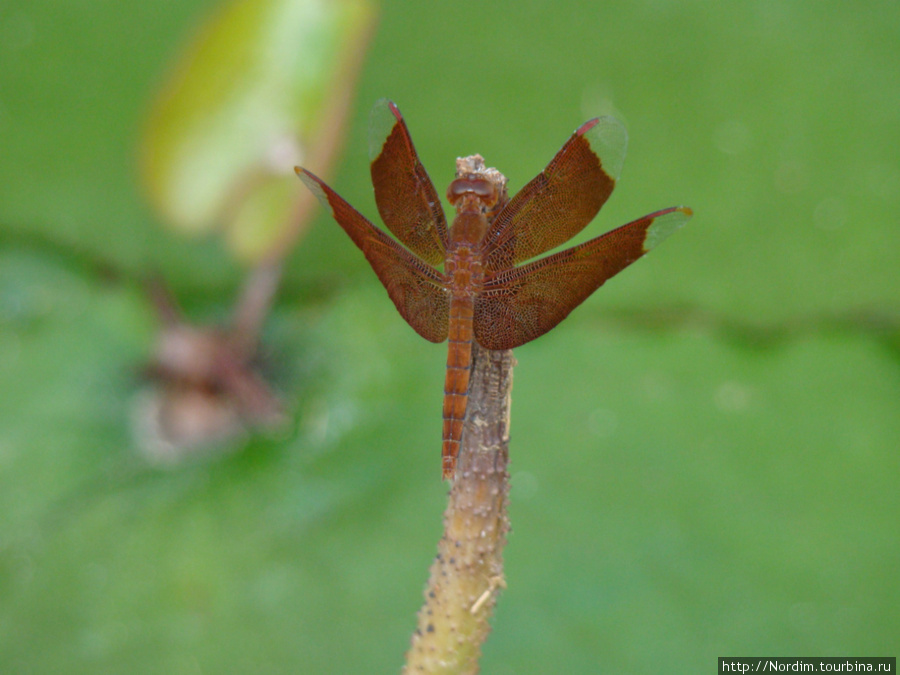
468 571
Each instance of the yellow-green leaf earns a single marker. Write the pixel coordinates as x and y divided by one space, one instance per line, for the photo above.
264 86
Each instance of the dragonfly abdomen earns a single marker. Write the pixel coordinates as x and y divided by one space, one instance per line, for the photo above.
456 382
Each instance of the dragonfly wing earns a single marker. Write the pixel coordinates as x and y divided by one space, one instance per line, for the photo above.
522 303
416 288
562 199
407 201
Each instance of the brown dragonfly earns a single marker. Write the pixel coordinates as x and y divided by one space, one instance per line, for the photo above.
483 293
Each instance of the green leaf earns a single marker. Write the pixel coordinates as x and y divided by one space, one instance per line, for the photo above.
263 87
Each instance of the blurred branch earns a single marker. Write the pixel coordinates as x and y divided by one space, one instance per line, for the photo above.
253 305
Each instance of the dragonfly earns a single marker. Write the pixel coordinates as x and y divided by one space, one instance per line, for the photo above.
484 292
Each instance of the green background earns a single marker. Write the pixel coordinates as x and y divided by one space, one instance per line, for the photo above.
705 455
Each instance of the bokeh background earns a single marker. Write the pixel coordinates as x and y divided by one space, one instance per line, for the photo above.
705 456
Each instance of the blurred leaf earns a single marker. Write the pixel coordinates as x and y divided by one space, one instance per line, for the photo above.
261 217
264 86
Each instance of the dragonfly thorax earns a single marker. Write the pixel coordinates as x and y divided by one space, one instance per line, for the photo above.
467 233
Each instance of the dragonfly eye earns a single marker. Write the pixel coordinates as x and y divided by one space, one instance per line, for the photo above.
479 188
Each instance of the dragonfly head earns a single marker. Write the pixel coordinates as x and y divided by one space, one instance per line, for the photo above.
472 194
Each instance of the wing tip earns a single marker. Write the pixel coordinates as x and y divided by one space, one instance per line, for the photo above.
664 224
608 139
384 117
395 110
385 103
587 126
313 183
